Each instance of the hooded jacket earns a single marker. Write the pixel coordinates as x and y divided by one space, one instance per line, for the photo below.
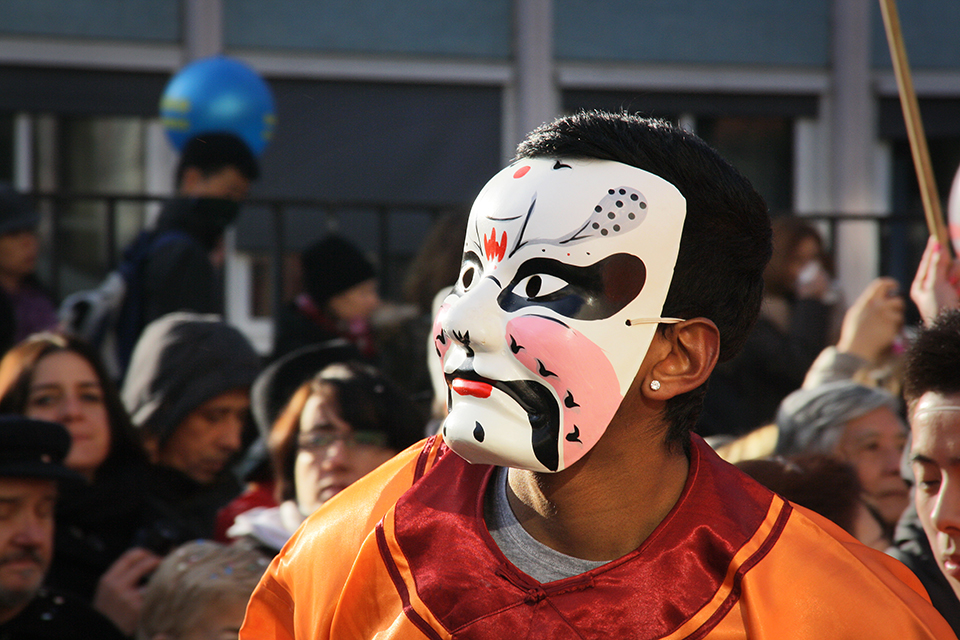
181 361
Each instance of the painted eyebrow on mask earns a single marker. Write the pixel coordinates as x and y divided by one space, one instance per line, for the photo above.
520 241
592 292
474 238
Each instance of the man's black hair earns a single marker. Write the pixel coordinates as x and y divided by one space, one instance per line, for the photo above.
933 359
212 152
726 239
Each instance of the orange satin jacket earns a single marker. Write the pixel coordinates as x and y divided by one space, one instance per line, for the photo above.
404 553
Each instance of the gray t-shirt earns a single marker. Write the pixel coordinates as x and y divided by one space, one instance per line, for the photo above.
535 559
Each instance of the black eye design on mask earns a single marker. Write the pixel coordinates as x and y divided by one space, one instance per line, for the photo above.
540 285
593 292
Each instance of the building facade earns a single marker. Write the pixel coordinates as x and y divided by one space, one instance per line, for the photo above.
389 111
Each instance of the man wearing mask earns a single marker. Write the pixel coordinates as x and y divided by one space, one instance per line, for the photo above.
604 274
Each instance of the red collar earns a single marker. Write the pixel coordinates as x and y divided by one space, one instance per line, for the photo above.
674 574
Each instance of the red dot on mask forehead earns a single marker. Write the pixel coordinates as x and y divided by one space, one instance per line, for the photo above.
522 171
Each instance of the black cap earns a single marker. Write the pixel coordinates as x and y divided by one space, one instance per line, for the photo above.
182 360
34 449
16 211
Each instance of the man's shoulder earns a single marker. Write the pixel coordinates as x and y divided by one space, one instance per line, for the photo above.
827 544
55 616
172 246
817 573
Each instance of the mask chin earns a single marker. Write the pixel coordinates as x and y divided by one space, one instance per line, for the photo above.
498 431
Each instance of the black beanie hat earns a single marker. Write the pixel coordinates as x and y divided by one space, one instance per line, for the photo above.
276 384
331 266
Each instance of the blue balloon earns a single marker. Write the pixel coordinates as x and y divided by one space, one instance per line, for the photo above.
218 94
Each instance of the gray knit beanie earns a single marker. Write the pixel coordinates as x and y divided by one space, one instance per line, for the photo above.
812 420
180 361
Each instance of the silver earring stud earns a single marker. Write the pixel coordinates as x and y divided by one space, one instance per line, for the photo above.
655 385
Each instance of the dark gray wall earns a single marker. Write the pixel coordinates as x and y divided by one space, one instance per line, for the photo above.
769 32
151 20
427 27
930 29
381 142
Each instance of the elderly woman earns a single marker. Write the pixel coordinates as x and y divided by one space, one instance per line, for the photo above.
857 424
200 592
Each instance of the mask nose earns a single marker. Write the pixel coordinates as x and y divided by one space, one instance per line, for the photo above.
474 320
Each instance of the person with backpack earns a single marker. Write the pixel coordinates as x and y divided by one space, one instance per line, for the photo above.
174 265
213 177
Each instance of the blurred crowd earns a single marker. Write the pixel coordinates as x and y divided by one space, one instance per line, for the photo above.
180 459
179 476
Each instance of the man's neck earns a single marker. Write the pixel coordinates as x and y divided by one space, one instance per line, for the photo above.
10 283
606 504
8 614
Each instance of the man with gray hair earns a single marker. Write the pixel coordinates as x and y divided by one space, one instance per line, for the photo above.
857 424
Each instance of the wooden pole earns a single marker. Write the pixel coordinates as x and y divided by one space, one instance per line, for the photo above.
911 117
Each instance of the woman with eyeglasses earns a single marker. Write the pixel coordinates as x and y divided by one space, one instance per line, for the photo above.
342 424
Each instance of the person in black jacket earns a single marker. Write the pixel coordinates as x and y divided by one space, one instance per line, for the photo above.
793 327
188 394
213 176
185 253
340 295
931 389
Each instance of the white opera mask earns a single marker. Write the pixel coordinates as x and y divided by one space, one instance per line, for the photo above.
566 267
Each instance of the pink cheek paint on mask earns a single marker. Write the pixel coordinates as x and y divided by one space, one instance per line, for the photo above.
578 371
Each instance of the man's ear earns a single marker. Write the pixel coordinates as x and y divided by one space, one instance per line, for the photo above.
686 354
